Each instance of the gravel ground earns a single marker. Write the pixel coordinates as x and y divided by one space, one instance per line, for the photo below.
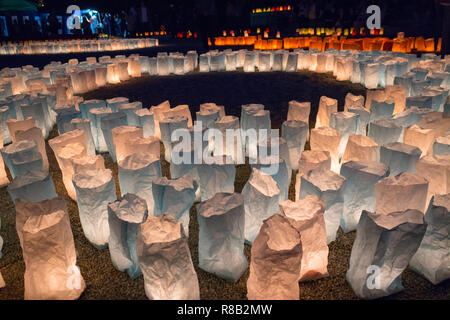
274 90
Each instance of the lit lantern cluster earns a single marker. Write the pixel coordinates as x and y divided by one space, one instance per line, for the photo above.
374 167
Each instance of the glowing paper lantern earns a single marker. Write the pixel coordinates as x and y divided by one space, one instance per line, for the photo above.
95 115
385 131
33 186
21 150
436 170
85 126
16 125
261 195
421 138
66 155
408 189
385 233
146 120
136 175
95 189
35 134
168 126
276 261
51 274
295 133
400 157
174 197
359 192
329 187
125 215
221 223
327 139
361 148
299 111
352 100
326 107
121 136
430 259
164 258
306 216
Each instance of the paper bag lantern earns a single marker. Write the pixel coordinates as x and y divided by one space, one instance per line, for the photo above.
387 241
310 160
16 125
400 157
359 193
35 134
352 100
168 126
21 149
32 186
146 120
164 258
221 226
261 195
125 216
181 110
327 139
121 136
299 111
85 126
306 216
136 175
385 131
329 187
66 155
129 109
361 148
295 133
276 261
88 163
421 138
326 107
95 189
174 197
431 258
52 274
408 189
442 146
436 170
114 103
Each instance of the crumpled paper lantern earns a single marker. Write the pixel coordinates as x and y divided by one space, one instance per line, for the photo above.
16 125
95 189
363 118
306 216
381 109
216 175
136 175
48 251
85 126
24 162
361 148
326 107
95 116
346 123
165 260
174 197
221 222
88 163
327 139
114 103
400 157
351 101
57 143
35 111
108 123
66 155
33 186
21 150
420 138
442 145
398 94
125 216
401 192
299 111
359 192
87 105
436 170
295 133
275 261
121 136
150 145
276 167
229 145
35 134
146 120
384 244
168 126
329 187
181 110
431 259
310 160
385 131
129 109
261 196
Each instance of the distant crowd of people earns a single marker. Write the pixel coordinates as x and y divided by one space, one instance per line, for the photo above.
210 17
